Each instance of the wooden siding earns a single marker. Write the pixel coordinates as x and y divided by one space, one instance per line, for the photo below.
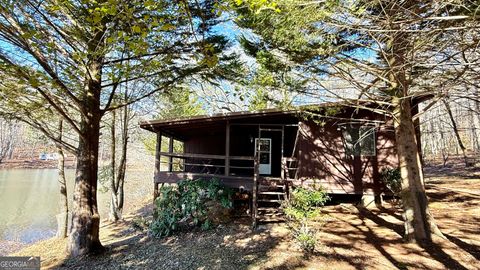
320 153
206 143
322 160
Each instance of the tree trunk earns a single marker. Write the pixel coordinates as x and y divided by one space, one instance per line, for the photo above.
122 167
455 131
63 216
7 138
84 237
477 106
444 150
419 223
117 183
114 214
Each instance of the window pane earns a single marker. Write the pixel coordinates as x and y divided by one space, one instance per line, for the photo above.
367 140
264 158
350 136
359 140
264 145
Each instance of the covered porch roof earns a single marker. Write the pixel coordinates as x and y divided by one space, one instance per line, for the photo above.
189 126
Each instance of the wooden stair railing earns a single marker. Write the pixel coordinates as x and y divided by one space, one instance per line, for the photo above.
270 197
256 175
269 194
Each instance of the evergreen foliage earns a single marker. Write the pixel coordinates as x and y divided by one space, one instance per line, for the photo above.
186 205
392 179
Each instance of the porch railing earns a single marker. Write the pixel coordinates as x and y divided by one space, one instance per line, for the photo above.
216 164
289 168
208 164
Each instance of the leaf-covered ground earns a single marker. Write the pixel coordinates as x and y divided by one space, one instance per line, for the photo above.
350 238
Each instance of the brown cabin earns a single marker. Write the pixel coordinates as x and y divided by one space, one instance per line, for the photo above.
341 148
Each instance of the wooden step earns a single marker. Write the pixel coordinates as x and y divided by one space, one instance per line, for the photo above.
271 193
276 201
270 215
270 212
276 218
269 208
271 186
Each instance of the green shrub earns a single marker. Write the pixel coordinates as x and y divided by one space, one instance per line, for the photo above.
306 238
392 179
302 207
304 203
187 205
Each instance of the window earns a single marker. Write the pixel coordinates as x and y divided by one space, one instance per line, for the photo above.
359 140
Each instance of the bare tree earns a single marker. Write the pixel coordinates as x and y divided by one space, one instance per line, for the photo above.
118 173
390 53
455 131
8 136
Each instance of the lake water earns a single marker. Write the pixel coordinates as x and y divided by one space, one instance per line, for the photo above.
29 203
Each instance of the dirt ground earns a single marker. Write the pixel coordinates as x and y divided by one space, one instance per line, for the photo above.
350 237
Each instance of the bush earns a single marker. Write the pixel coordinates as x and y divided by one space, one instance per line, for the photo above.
304 203
392 179
140 223
306 238
188 205
302 207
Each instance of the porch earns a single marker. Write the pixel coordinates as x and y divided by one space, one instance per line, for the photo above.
242 182
254 151
262 158
257 158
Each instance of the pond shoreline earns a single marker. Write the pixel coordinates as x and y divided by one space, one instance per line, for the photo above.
35 164
8 247
29 203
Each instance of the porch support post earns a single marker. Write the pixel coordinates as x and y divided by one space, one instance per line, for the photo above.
157 165
283 164
227 149
299 160
170 150
256 176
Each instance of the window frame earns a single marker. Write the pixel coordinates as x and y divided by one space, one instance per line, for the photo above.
350 150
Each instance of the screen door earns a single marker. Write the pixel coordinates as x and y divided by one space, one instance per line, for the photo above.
265 155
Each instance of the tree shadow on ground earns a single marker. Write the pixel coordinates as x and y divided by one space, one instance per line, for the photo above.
456 167
361 231
444 195
356 238
470 248
376 240
233 246
358 233
437 253
433 249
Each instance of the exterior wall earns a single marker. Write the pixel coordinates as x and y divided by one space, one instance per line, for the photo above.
207 144
320 152
242 143
322 159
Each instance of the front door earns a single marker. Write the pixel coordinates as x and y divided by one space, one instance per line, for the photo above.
265 155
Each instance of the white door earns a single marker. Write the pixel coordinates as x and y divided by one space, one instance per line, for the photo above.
265 155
